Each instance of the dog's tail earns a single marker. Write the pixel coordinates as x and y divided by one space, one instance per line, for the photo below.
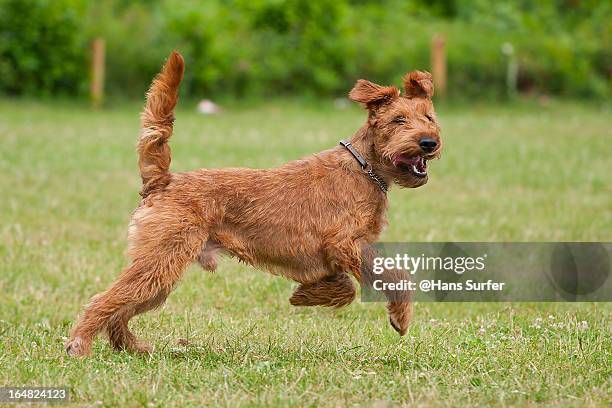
157 121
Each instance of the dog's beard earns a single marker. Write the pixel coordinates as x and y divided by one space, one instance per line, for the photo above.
409 181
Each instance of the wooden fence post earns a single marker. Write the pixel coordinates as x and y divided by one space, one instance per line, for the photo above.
438 64
97 72
511 70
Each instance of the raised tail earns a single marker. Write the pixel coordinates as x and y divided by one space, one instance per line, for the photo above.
157 122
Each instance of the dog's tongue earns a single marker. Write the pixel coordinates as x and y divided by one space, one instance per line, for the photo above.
416 161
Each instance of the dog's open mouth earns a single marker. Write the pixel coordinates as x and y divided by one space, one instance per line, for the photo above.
415 165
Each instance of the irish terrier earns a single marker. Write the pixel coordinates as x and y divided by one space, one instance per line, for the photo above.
310 220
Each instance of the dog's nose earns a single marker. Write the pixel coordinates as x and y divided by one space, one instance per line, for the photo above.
428 144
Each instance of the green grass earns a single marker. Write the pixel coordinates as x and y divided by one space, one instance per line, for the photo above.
69 182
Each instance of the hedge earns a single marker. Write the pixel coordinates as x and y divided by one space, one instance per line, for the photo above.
271 47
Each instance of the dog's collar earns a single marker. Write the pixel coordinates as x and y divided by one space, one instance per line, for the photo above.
365 166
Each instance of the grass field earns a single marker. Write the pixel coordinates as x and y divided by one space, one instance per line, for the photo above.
69 182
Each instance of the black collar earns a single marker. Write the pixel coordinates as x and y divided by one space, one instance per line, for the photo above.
365 166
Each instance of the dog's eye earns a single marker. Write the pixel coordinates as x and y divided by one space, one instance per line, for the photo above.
429 118
399 120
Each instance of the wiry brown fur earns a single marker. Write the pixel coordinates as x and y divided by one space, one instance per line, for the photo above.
156 126
310 220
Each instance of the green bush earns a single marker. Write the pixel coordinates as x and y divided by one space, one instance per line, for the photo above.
42 49
270 47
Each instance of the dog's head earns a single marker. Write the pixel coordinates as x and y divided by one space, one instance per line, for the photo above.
403 128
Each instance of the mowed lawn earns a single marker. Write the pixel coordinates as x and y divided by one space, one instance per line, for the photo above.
69 181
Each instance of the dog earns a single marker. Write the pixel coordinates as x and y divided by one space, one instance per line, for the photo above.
312 220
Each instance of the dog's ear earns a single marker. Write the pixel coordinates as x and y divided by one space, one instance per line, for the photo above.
418 84
372 96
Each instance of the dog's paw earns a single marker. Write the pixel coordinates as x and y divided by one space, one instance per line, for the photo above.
399 316
397 329
76 347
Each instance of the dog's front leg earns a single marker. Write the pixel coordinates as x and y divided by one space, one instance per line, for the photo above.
346 255
335 290
399 305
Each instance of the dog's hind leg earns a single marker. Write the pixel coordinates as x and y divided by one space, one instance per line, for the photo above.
138 284
335 290
119 334
143 285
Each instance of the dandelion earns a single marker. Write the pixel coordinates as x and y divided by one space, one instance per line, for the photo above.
537 323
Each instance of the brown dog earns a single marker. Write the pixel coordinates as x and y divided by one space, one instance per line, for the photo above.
311 220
